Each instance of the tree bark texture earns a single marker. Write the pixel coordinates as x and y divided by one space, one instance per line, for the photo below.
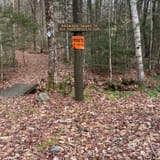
137 40
52 48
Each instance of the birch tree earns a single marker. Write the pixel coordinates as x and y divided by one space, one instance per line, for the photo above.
52 49
137 40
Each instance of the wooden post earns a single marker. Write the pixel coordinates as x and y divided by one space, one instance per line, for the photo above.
77 28
78 53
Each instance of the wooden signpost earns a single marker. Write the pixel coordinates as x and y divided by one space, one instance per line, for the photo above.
78 43
77 27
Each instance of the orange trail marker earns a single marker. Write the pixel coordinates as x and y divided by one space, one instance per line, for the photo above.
78 42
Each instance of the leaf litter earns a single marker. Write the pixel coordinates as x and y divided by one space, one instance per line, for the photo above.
63 129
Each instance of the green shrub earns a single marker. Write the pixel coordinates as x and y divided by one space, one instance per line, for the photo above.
64 87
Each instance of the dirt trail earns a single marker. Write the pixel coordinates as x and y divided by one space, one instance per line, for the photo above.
32 72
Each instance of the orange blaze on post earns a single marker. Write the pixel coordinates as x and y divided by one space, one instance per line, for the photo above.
78 42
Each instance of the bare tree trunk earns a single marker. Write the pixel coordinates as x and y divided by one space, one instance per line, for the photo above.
89 3
13 37
1 60
98 10
52 47
42 29
137 39
67 47
33 4
34 20
110 41
144 32
67 34
151 35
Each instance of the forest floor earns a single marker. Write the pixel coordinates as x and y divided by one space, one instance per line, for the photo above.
106 126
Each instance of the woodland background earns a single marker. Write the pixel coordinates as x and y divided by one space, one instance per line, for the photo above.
23 25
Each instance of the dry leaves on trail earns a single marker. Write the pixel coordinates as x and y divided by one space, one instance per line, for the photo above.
98 128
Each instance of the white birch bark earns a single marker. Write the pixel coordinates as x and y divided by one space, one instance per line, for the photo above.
137 40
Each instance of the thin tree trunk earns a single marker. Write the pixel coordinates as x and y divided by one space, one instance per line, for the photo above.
137 39
33 5
13 38
90 11
34 20
110 42
19 6
67 34
43 28
41 22
18 10
1 59
67 47
151 35
144 33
